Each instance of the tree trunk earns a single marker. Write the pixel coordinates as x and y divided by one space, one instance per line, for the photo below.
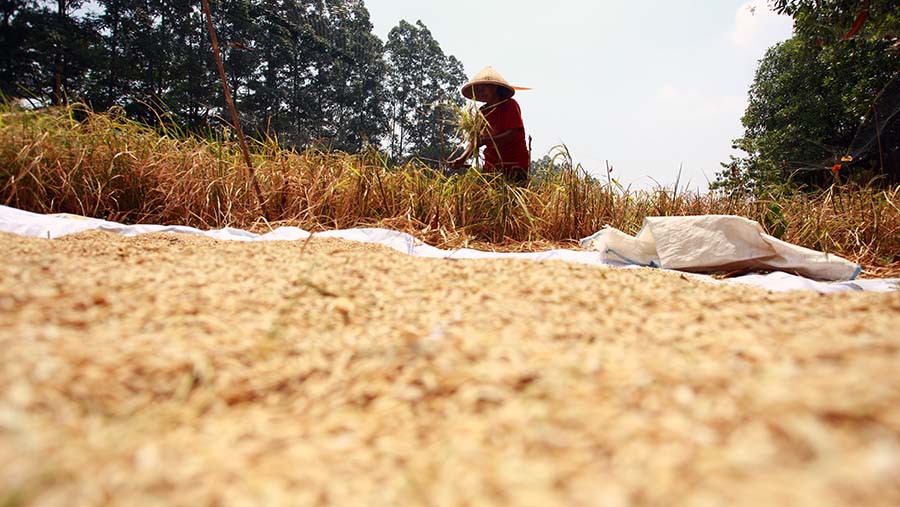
58 57
114 64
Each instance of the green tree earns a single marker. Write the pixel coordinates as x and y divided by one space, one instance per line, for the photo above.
46 49
830 21
68 38
234 21
275 41
191 89
422 82
142 55
347 86
14 30
811 107
320 76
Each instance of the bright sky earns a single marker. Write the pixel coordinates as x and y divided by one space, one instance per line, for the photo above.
648 85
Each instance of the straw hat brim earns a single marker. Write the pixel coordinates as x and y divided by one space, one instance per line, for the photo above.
488 76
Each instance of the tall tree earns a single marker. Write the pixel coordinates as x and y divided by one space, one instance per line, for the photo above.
191 88
421 81
320 77
809 110
347 83
128 72
159 61
273 39
14 29
234 25
46 48
75 40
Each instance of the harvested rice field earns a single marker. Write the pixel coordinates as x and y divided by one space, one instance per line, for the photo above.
176 370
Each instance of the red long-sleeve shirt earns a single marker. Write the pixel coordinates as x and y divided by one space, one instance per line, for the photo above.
501 117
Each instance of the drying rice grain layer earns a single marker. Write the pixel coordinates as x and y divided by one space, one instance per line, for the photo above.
175 370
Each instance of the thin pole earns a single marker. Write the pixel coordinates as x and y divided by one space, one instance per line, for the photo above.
878 137
441 133
234 116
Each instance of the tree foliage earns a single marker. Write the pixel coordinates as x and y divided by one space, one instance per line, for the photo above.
830 21
310 72
46 50
422 83
320 73
817 111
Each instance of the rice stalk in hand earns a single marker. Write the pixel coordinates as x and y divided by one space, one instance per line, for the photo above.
471 125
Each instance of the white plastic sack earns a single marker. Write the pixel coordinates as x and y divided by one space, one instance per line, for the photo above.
711 243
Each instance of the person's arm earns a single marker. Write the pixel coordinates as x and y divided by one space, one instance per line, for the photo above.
487 140
459 161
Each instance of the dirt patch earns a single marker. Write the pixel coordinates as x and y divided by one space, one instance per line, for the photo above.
177 370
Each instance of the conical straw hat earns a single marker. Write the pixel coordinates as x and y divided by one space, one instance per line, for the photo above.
488 75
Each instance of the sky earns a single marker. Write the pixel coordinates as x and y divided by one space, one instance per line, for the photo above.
648 85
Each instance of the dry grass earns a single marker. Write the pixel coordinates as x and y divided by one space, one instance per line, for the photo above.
175 370
105 166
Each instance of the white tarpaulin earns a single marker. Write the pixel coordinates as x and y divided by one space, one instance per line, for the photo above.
54 226
710 243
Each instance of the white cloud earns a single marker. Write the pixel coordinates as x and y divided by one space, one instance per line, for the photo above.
758 27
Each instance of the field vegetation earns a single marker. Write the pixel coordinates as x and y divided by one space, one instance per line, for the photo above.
73 160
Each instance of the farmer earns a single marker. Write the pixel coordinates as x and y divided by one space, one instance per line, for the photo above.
504 138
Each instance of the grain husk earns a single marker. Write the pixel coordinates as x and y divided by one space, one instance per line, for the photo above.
179 370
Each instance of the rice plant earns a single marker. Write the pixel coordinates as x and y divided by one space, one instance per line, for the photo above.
103 165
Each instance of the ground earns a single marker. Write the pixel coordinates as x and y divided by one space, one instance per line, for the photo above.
176 370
